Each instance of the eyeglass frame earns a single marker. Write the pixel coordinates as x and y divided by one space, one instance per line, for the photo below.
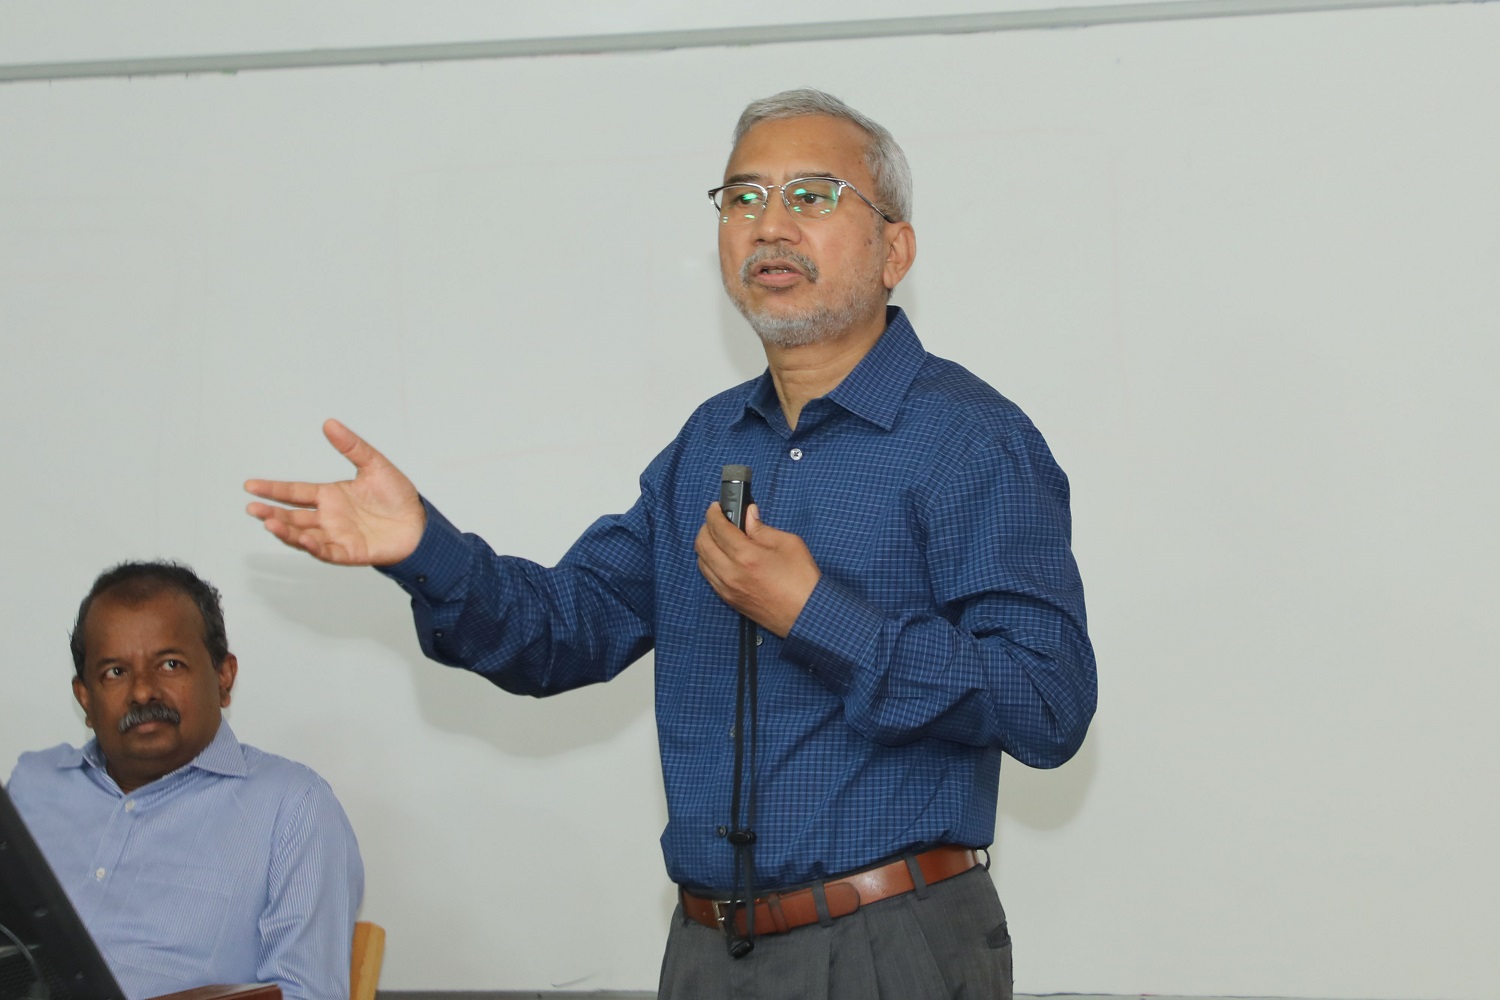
766 190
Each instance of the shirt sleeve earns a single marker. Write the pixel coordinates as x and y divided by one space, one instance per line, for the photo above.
315 885
527 628
1002 658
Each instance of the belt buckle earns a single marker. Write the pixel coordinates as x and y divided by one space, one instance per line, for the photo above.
722 909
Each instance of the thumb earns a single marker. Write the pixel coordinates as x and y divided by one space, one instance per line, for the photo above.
356 449
753 524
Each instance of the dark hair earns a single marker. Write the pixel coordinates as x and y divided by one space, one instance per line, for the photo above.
134 582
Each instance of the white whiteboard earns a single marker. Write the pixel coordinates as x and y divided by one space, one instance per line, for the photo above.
1241 273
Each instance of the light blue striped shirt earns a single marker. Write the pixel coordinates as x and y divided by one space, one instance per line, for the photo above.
238 867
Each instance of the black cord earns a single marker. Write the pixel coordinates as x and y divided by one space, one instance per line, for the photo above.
36 969
747 684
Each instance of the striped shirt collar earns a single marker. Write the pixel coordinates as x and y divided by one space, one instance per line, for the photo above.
223 755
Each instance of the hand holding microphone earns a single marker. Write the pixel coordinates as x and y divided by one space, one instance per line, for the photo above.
765 574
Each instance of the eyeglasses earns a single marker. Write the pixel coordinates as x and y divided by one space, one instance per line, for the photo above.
806 198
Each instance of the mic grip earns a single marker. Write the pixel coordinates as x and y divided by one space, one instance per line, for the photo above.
734 494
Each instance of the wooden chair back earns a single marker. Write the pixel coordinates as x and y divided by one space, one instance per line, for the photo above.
365 960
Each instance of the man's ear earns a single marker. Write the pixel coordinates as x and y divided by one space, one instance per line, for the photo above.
81 693
901 252
228 671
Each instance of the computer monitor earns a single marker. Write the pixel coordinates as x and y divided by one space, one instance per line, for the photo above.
45 951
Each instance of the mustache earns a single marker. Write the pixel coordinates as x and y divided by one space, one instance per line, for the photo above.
770 252
153 712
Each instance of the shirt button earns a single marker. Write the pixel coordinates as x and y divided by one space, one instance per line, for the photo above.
759 639
422 579
130 805
796 454
437 634
99 874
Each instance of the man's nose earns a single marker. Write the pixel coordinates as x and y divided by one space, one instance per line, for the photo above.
777 222
143 687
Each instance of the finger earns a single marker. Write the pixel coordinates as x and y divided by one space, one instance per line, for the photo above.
706 547
296 494
716 582
360 453
721 529
262 511
708 573
713 562
313 542
329 552
755 528
296 517
285 533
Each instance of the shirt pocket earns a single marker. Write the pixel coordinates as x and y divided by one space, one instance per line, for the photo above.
176 919
849 530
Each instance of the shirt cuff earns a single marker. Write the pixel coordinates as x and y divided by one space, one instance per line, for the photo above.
438 565
835 635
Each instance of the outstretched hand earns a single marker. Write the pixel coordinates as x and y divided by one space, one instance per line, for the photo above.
374 519
765 574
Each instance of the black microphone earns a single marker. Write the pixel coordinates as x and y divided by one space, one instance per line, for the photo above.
734 494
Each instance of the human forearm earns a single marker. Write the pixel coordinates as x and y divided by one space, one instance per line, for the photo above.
1013 673
527 628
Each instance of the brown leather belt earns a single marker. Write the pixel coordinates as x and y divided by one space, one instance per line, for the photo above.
779 912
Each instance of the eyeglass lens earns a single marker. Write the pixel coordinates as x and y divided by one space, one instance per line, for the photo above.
810 198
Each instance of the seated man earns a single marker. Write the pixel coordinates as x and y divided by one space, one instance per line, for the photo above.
192 859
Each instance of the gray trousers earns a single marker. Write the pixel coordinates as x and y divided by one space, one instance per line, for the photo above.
946 943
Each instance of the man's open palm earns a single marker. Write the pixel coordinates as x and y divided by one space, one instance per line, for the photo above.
374 519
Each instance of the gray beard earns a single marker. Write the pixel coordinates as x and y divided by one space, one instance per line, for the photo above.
818 323
801 329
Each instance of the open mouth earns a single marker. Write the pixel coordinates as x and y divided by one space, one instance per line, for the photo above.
778 277
777 267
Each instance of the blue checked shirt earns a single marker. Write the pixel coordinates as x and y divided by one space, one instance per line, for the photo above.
948 625
238 867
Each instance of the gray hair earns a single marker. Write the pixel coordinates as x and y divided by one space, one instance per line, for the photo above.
883 157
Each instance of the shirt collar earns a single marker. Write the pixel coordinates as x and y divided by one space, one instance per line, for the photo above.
877 386
223 755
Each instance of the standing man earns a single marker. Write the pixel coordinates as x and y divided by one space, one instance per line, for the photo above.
194 860
916 608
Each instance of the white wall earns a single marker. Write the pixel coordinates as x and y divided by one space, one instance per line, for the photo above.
1241 272
41 31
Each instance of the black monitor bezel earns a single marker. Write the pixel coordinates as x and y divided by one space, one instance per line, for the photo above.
27 880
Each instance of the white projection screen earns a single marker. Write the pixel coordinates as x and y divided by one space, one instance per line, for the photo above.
1242 272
